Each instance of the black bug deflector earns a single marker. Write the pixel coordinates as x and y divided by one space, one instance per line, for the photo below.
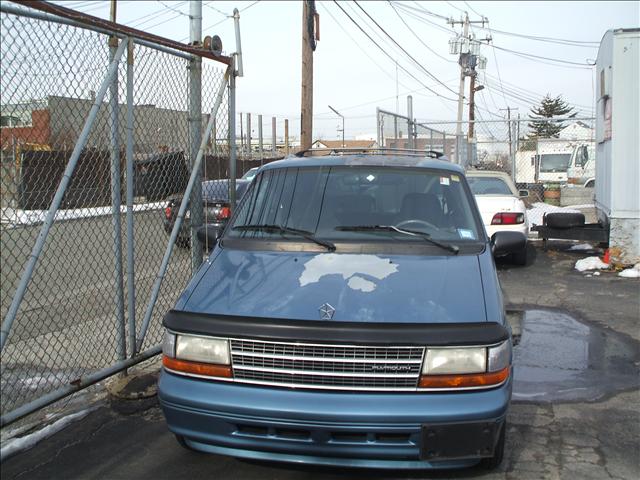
274 329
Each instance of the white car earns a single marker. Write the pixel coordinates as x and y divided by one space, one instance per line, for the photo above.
500 205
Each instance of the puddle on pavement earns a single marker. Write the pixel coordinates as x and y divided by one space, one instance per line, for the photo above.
559 358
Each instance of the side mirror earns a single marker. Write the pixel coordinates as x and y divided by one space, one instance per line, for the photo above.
209 236
523 193
504 243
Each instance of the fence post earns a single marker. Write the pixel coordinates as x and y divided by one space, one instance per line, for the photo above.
130 176
286 136
57 199
260 149
195 123
183 207
249 149
409 122
274 140
232 137
380 145
116 202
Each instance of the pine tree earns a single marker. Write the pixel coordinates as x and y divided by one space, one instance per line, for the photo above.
548 109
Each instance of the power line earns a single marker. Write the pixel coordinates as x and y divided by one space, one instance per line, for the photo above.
360 47
172 8
459 9
416 35
217 10
531 92
530 56
493 100
402 48
495 58
387 54
560 41
472 9
227 17
411 11
150 17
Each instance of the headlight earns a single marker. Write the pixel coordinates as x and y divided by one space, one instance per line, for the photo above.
202 349
455 360
200 356
466 367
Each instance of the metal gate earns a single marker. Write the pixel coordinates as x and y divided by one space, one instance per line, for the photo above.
101 124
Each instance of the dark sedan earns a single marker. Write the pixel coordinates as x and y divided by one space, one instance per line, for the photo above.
216 208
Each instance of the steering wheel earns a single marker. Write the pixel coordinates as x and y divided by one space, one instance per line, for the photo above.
415 220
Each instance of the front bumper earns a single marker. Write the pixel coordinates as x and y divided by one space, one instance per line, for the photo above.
373 430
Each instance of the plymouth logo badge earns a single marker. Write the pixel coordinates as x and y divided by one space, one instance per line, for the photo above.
326 311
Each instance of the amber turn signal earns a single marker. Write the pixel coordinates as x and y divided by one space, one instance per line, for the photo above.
196 368
465 380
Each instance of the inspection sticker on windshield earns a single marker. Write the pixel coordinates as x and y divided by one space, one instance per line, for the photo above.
464 233
455 178
444 180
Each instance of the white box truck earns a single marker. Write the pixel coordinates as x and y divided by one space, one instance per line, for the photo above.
617 185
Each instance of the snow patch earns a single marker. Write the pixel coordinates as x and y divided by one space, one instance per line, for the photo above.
15 217
538 209
19 444
582 246
633 272
590 263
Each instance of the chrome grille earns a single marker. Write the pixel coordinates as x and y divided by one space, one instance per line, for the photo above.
326 366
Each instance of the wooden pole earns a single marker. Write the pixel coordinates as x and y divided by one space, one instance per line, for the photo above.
306 108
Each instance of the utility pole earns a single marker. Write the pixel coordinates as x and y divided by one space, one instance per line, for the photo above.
342 117
309 17
461 87
195 133
472 103
513 169
467 62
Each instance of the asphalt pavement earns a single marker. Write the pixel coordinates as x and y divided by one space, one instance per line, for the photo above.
587 428
66 326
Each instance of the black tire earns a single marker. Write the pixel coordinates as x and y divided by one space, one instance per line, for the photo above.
564 220
520 258
498 454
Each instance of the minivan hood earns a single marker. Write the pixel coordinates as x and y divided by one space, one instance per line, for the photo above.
360 287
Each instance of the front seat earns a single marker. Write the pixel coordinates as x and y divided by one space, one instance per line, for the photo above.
422 206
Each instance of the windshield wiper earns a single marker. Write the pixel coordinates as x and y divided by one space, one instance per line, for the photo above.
390 228
279 228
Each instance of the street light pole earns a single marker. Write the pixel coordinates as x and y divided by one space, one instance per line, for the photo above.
341 116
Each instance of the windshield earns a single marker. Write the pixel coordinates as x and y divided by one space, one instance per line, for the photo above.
488 186
250 174
556 162
324 200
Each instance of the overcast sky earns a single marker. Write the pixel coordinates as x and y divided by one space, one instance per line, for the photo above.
354 76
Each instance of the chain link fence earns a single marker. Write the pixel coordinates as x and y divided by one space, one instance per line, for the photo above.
556 166
85 303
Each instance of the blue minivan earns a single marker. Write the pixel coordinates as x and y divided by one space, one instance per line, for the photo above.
349 315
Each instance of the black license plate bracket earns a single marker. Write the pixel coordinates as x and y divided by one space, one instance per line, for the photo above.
448 441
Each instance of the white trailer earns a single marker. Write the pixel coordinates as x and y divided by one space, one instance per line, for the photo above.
617 189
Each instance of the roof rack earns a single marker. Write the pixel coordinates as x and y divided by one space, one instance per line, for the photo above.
368 150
